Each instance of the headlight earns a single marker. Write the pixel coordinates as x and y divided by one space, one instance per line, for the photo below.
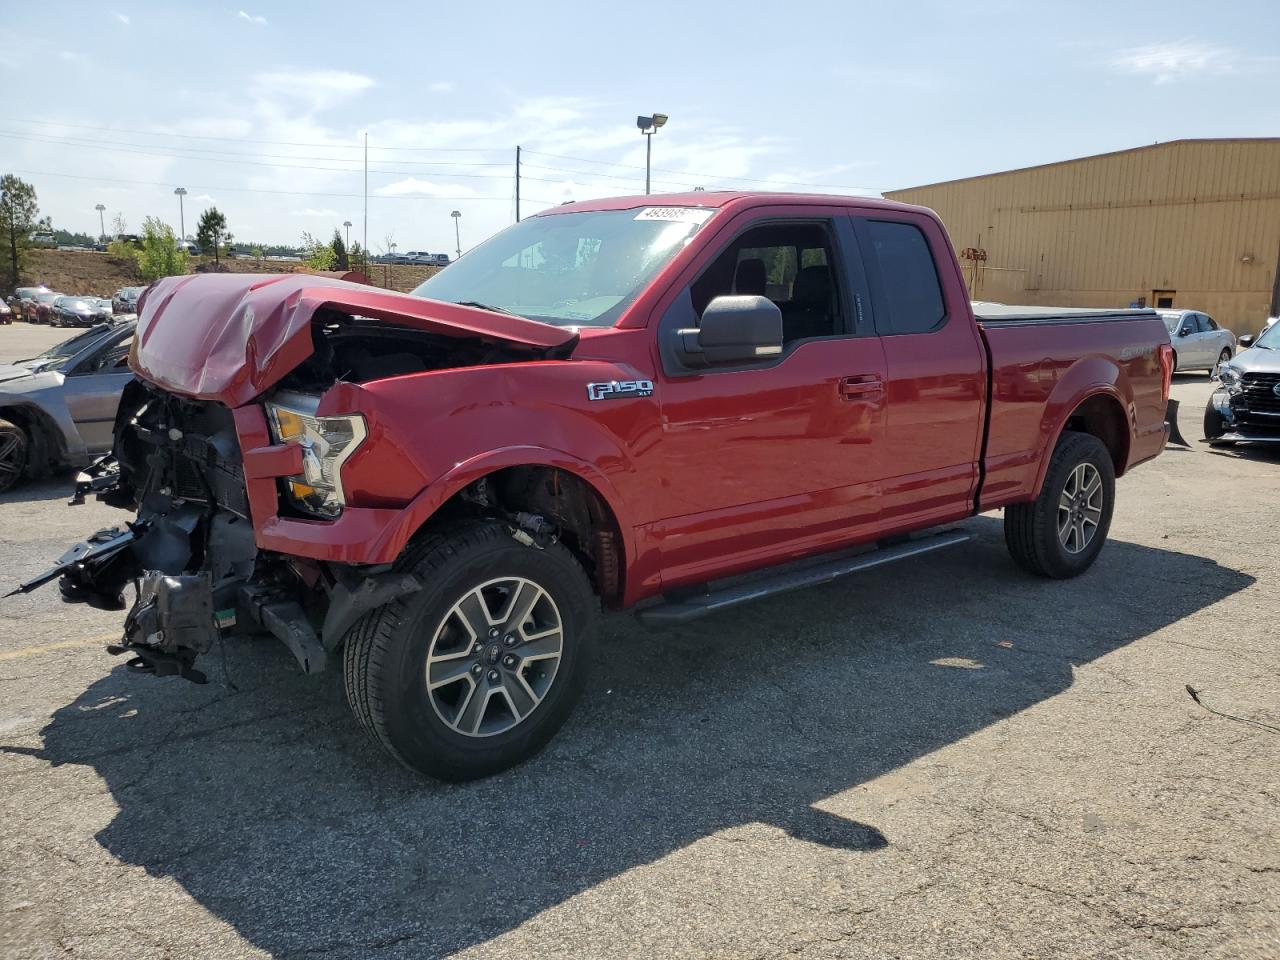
1230 378
326 444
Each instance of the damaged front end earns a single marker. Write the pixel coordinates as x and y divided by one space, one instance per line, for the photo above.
190 554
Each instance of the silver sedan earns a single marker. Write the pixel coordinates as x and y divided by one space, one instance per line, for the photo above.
1198 342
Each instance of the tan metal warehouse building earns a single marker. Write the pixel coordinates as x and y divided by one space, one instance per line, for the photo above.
1193 224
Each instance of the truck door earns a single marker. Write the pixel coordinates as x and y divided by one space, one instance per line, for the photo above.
779 456
936 380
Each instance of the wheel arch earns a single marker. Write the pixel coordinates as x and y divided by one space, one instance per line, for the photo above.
576 496
1091 405
44 438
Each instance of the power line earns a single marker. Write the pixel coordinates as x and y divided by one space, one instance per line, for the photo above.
288 193
278 143
52 138
77 142
694 173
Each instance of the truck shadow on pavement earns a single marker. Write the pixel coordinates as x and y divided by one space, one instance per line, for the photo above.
271 810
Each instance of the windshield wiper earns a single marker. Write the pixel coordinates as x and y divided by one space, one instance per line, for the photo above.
486 306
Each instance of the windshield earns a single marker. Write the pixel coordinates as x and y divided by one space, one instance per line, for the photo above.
569 269
66 349
1269 338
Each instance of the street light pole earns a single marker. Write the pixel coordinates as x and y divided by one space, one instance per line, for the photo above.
102 227
181 192
347 224
457 236
649 126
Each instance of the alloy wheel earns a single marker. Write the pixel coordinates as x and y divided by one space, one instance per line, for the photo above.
494 656
1080 508
13 456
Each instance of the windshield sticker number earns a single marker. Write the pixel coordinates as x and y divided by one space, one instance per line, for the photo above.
674 214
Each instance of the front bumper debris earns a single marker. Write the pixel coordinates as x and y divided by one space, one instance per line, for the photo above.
170 625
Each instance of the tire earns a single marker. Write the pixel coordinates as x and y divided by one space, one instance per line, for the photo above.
389 651
1223 357
1032 530
14 450
1175 363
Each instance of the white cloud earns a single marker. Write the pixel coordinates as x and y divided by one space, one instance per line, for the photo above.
122 18
413 187
1167 62
280 93
258 21
313 212
442 86
205 198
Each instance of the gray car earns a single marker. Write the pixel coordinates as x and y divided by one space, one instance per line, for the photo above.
1198 342
58 409
1246 405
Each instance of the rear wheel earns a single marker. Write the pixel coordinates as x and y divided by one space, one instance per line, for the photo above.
1061 532
13 454
475 672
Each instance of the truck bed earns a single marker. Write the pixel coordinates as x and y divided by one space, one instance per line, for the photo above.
1043 359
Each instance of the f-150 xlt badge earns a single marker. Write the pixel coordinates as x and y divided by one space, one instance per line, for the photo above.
619 389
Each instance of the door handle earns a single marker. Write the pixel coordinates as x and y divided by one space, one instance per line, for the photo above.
857 388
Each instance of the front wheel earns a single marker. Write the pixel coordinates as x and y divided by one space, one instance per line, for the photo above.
1061 532
476 671
1223 357
13 454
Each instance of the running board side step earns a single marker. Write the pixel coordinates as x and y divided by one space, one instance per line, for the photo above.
716 600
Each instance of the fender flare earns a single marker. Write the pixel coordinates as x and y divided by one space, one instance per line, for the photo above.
1088 378
422 507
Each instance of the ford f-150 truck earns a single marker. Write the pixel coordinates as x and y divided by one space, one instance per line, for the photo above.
673 404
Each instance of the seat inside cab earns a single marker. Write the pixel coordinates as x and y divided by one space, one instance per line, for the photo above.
790 263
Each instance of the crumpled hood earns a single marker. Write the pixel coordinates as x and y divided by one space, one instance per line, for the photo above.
1257 360
229 337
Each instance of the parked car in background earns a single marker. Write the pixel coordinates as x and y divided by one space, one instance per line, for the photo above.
74 312
188 246
103 310
22 296
40 307
1246 406
43 240
58 409
427 259
1198 342
6 313
126 299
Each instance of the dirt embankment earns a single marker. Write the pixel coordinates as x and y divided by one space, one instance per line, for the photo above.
101 275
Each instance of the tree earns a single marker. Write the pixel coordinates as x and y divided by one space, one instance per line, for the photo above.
160 255
340 261
18 210
119 224
212 231
357 258
318 256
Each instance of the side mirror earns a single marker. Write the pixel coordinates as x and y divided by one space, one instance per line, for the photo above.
1184 332
735 329
1245 341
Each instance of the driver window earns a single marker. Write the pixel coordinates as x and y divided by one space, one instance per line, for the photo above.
790 263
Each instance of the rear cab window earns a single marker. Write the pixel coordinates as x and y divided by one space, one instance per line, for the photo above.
901 263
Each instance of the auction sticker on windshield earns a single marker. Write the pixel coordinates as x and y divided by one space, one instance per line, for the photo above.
675 214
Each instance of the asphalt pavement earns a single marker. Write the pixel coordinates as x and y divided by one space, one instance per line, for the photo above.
946 758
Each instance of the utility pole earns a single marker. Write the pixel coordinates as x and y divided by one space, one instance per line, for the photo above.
181 192
517 183
366 189
102 227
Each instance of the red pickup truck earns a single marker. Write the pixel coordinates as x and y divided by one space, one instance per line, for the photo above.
674 404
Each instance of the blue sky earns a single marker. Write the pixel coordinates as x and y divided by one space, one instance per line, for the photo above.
242 104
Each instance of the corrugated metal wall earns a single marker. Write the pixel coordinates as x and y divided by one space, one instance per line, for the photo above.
1198 217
